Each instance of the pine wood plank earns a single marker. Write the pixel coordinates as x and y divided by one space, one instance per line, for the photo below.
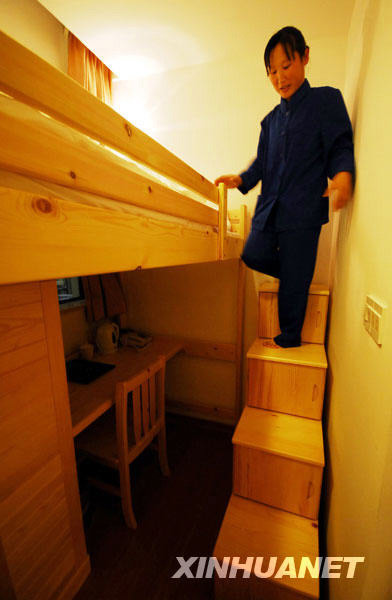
253 529
313 330
62 411
79 163
70 588
29 78
312 355
29 517
280 482
39 498
28 434
24 355
287 388
292 437
19 294
52 238
21 325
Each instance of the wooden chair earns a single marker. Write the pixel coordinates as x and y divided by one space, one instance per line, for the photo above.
139 418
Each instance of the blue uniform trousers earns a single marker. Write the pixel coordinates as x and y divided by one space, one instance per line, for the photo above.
291 257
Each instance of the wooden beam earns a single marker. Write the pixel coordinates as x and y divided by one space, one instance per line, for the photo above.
40 147
27 77
48 238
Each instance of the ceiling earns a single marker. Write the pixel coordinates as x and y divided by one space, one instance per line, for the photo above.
140 37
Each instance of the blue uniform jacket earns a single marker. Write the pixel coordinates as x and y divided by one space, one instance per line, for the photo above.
302 142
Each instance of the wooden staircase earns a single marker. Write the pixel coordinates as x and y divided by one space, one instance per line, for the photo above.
278 460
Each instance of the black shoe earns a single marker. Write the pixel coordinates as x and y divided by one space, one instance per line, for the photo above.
285 342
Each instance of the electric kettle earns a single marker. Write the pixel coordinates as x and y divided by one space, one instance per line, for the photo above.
107 337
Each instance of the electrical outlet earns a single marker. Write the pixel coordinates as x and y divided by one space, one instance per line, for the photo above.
374 318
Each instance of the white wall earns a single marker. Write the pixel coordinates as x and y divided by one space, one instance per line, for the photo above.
30 24
359 407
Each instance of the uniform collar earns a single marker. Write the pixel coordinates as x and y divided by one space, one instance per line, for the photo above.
286 105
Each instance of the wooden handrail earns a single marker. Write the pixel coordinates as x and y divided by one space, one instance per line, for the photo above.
28 78
222 194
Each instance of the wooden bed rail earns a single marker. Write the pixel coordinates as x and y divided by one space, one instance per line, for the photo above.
40 147
77 211
30 79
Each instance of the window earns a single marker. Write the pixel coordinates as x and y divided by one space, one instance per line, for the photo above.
70 292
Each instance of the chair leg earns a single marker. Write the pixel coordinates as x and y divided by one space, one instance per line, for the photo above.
126 498
162 451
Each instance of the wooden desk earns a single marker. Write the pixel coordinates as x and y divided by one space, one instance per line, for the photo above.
88 402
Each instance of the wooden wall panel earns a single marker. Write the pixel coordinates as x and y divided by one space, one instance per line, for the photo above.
25 355
41 534
63 413
35 516
19 294
27 427
21 326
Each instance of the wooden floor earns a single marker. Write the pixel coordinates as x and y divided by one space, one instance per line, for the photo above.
178 516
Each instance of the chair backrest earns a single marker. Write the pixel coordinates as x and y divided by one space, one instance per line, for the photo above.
140 406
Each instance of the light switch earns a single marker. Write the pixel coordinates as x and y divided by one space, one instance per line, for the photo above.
374 318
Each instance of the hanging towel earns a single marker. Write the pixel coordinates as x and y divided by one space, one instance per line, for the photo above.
113 294
104 296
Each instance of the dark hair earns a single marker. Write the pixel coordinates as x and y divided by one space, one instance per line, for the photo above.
292 41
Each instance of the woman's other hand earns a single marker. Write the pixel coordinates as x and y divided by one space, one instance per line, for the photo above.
340 190
230 181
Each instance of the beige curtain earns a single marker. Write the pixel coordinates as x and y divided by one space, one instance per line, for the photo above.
103 293
88 70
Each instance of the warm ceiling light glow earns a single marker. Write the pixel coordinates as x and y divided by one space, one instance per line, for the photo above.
134 66
135 108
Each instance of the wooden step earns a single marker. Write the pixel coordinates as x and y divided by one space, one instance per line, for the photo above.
250 529
313 330
279 460
288 380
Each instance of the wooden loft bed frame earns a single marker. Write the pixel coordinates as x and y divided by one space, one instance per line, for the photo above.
82 191
95 194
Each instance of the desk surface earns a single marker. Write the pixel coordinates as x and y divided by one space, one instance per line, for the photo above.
88 402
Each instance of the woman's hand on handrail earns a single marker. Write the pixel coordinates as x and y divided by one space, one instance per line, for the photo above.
230 181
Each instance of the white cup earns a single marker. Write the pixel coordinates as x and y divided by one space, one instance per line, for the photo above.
87 351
